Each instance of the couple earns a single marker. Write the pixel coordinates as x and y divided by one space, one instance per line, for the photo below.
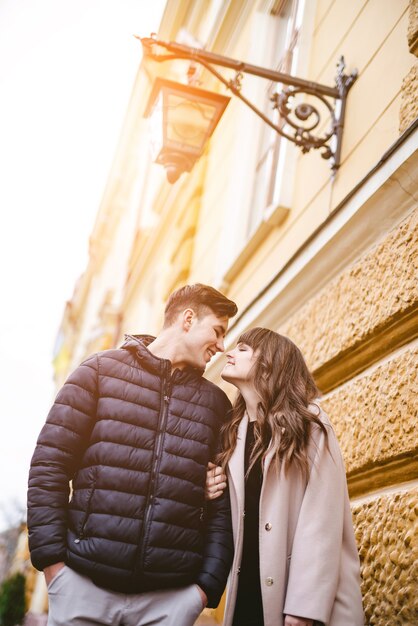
135 542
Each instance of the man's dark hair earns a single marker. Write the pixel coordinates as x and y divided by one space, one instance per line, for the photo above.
202 299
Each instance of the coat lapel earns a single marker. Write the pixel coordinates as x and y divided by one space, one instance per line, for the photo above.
236 464
268 460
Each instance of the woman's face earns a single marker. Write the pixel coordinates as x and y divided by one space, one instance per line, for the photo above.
240 362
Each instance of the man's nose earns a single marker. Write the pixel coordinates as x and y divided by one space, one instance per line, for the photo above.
220 345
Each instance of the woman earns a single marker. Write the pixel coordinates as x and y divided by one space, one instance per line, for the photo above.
296 562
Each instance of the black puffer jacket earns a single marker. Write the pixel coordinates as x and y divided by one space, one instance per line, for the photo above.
135 440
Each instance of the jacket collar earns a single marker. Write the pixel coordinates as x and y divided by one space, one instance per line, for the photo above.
137 344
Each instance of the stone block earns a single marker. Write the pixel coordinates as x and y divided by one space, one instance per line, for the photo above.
409 102
413 27
365 298
375 416
386 531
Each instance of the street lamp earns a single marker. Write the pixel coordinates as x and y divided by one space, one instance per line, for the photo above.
184 116
182 120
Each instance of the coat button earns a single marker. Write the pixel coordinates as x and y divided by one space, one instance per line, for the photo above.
268 526
269 581
238 570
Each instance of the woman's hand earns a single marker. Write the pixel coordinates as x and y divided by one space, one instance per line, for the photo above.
291 620
215 482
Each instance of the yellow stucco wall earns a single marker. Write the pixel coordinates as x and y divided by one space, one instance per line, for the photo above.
373 38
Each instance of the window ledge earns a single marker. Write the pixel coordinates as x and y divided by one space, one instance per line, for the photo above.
273 217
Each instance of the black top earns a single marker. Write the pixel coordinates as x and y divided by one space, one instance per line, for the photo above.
249 607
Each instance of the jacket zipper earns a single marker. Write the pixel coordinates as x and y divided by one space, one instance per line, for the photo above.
165 399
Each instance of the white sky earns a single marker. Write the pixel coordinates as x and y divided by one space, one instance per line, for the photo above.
66 72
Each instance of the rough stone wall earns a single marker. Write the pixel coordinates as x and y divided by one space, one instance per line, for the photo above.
409 102
413 27
374 409
375 416
369 295
387 536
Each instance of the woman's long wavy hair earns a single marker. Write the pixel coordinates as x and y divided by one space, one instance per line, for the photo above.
286 388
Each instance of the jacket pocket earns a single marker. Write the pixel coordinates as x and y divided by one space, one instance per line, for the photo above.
81 532
202 516
56 578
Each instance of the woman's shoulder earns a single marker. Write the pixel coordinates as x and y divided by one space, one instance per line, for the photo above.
323 439
316 409
317 432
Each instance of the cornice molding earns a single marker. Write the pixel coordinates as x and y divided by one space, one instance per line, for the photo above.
378 205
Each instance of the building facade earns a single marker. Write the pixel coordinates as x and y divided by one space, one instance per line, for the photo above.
330 261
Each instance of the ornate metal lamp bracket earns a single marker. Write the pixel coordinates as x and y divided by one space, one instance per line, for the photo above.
300 120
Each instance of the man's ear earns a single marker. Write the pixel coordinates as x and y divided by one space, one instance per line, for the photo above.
188 317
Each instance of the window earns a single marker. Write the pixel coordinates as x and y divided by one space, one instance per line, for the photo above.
203 22
284 23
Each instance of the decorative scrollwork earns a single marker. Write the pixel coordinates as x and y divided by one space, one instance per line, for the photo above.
304 111
344 81
310 116
235 84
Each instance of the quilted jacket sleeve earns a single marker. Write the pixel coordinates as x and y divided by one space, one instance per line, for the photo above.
219 547
219 550
59 449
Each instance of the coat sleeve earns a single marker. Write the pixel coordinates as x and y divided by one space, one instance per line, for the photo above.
219 547
317 545
59 449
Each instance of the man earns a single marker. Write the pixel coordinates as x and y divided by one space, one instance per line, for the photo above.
134 429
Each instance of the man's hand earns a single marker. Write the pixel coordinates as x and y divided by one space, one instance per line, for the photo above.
215 482
203 596
291 620
51 571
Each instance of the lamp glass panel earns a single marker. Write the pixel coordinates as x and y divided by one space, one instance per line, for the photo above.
156 128
188 122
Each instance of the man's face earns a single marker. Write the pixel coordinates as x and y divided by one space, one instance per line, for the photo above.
204 338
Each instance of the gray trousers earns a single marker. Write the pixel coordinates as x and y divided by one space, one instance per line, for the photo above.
75 601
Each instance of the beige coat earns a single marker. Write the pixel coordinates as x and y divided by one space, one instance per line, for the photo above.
309 564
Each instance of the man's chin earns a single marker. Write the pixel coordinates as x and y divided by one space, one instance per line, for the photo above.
199 366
